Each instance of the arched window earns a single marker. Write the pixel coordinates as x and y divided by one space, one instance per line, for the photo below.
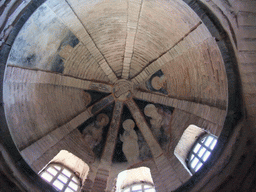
135 180
61 178
200 152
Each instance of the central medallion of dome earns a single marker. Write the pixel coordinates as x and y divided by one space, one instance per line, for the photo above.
123 89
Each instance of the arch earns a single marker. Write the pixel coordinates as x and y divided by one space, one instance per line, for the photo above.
137 179
69 162
26 169
186 142
60 177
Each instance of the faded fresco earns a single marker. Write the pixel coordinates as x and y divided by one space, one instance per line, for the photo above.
130 145
40 40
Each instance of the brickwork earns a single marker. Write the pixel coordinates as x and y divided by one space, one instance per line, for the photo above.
235 169
161 37
100 182
81 64
23 75
168 175
39 147
134 11
66 13
102 175
71 142
132 44
206 112
53 95
189 40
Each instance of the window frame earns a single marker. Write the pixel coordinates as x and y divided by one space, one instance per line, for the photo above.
201 140
139 190
55 177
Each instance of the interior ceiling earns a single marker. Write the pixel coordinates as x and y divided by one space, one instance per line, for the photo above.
73 60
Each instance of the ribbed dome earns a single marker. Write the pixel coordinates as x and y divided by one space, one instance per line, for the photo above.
73 62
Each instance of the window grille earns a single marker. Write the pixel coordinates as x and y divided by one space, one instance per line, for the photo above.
135 180
140 187
200 152
61 178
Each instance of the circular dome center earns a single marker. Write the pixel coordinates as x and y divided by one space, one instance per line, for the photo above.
123 89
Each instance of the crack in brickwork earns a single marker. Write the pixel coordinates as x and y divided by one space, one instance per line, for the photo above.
103 63
140 77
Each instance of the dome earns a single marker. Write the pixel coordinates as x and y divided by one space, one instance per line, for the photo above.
118 84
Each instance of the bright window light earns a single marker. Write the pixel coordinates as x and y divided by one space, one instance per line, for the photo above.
126 190
60 178
213 144
150 190
63 178
69 190
206 155
136 187
135 180
57 167
58 184
66 172
201 152
141 187
147 187
199 165
197 147
75 179
73 185
47 176
208 141
194 162
52 171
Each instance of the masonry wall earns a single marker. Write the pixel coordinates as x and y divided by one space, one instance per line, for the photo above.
235 168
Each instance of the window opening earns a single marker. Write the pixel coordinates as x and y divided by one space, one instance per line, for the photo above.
201 151
141 187
135 180
61 178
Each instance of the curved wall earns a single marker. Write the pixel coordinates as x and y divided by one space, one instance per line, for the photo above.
237 160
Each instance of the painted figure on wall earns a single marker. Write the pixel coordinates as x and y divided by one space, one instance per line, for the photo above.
160 123
130 141
158 83
156 120
93 132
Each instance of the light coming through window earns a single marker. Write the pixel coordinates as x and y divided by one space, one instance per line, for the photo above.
141 187
201 152
61 178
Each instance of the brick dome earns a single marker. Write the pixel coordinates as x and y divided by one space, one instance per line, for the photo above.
117 84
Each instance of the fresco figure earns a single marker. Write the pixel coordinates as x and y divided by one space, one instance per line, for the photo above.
158 83
160 124
93 132
130 141
156 120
